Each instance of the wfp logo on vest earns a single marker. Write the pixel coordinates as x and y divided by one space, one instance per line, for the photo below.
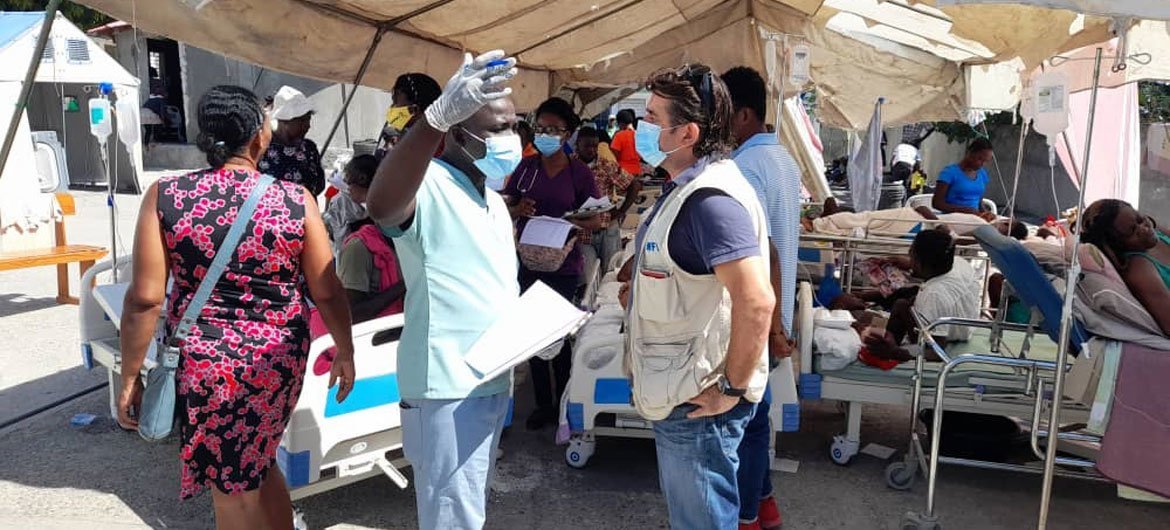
651 246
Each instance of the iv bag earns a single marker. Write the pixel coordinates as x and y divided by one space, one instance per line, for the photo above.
800 61
126 108
101 123
1050 99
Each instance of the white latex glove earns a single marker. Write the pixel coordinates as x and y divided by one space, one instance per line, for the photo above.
472 86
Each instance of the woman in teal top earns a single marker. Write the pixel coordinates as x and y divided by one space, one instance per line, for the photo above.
1139 250
961 186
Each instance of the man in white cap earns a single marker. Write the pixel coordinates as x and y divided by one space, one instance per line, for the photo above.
292 157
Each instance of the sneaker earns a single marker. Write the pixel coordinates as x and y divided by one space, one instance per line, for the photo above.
770 514
754 525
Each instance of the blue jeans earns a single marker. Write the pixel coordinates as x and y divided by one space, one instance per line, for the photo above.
755 471
697 460
450 443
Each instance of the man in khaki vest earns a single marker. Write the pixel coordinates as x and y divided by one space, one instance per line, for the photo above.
700 300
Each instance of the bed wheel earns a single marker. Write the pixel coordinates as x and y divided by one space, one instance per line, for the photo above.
578 453
842 450
899 476
299 519
918 521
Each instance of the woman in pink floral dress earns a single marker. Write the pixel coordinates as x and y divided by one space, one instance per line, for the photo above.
244 361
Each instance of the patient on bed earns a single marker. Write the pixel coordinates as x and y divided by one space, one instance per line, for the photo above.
837 221
950 289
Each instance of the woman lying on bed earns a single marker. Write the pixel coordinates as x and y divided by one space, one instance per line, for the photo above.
1138 250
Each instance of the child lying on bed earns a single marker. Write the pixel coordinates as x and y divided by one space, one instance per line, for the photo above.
837 221
950 288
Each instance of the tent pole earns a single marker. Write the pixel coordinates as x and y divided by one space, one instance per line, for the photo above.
1066 316
361 74
1011 205
29 77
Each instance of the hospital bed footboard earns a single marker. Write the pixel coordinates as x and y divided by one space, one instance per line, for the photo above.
327 444
1037 390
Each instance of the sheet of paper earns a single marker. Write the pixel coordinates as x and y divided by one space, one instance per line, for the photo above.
546 232
538 319
592 202
785 465
591 207
879 451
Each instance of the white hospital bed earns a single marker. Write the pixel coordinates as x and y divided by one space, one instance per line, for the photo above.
598 400
326 445
999 392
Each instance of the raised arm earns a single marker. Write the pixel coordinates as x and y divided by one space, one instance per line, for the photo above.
392 193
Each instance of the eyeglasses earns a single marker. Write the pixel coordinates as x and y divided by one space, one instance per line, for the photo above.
550 130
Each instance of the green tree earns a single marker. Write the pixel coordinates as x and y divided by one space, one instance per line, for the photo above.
84 17
1154 101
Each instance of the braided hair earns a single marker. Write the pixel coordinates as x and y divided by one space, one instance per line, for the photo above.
1098 228
420 89
229 117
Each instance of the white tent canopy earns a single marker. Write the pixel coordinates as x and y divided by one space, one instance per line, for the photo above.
74 57
70 57
917 55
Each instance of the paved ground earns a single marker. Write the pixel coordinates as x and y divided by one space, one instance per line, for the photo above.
55 476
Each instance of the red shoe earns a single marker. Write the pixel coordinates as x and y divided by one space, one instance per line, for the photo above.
754 525
770 514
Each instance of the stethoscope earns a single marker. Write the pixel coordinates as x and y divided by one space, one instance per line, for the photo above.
531 179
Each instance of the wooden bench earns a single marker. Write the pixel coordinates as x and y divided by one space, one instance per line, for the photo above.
60 255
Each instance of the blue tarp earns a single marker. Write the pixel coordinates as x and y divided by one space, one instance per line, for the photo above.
13 24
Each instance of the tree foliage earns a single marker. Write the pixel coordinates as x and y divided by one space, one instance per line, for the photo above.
84 17
1154 102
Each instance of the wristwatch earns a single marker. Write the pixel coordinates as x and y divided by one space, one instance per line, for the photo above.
726 389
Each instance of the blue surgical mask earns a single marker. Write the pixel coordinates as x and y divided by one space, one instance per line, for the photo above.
547 144
646 139
500 157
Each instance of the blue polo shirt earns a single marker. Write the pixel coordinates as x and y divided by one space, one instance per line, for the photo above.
458 258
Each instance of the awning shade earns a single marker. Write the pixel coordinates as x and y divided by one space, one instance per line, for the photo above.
912 53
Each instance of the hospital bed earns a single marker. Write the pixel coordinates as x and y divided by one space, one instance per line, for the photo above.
1004 370
598 401
327 444
927 199
816 252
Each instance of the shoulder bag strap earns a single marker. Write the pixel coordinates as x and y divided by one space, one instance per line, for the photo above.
226 249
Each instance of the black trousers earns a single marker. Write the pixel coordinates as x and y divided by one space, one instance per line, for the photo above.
545 372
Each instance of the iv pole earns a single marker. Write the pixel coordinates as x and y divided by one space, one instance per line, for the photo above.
1074 272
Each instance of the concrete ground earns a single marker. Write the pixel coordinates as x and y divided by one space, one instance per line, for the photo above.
55 476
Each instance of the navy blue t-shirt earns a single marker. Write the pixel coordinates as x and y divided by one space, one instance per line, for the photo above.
711 229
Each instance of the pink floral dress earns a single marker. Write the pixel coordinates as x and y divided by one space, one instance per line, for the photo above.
244 361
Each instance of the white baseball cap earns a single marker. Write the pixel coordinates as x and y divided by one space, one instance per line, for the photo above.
290 104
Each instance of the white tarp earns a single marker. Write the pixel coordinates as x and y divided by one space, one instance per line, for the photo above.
70 57
1151 9
75 58
911 53
865 166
